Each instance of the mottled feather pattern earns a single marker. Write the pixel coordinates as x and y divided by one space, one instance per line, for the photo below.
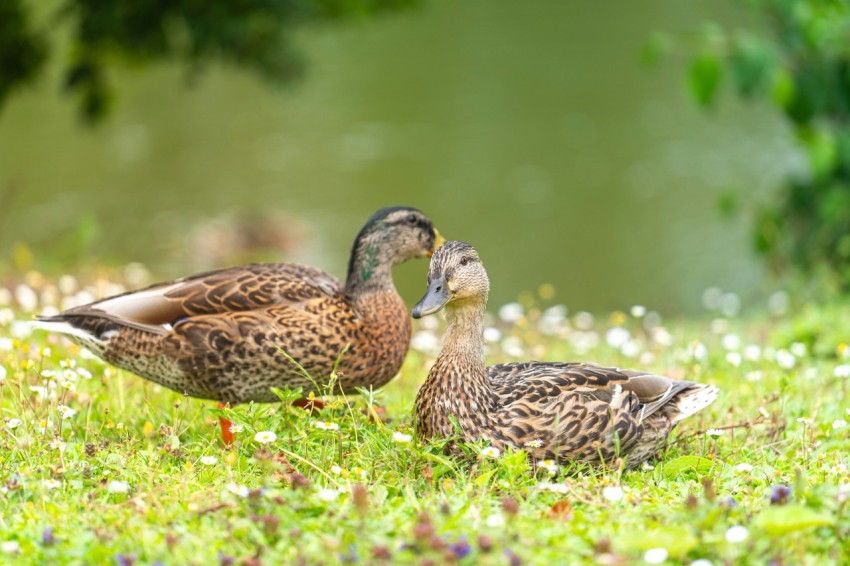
569 412
233 333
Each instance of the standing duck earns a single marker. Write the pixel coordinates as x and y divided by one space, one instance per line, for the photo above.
232 334
568 412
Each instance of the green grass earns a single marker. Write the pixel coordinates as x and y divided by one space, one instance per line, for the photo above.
138 473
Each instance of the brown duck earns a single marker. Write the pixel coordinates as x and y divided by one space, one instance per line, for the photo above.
232 334
568 412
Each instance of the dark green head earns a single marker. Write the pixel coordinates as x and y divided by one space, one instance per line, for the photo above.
391 236
456 274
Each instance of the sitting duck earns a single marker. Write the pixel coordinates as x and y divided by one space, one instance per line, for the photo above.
563 411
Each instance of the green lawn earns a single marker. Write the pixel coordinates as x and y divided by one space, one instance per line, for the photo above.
102 467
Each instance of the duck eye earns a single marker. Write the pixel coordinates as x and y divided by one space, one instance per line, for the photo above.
411 219
464 261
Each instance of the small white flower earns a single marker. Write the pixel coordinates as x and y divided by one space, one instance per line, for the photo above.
265 437
402 438
737 534
838 469
715 432
69 385
755 375
553 487
631 349
495 521
84 373
743 468
617 336
549 465
57 444
336 469
326 425
730 304
27 298
638 311
236 428
805 420
237 489
646 466
535 443
10 547
44 426
3 373
701 562
492 335
66 411
51 484
512 346
39 390
697 350
734 358
798 349
583 320
425 341
613 493
842 371
511 312
655 556
491 452
752 353
838 424
118 486
731 342
328 494
209 460
785 359
14 423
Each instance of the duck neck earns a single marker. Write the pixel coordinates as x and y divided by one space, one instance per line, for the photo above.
370 266
465 332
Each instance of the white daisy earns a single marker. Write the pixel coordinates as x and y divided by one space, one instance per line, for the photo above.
737 534
491 452
402 438
655 556
265 437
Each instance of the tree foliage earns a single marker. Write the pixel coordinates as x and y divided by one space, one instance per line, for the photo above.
800 60
252 34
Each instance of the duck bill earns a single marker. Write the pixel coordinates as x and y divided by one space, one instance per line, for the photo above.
434 300
438 241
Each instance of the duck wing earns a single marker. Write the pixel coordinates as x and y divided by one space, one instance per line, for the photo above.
229 290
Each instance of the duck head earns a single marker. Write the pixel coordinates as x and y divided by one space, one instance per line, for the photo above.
455 276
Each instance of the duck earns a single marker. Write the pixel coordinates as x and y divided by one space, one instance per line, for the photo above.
233 334
568 412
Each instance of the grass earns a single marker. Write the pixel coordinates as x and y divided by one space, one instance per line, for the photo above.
131 473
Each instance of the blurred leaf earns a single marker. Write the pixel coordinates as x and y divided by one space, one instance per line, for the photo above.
782 90
728 203
822 150
704 78
656 47
751 62
683 464
781 520
677 540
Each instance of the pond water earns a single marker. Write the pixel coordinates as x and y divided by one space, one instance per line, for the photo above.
528 129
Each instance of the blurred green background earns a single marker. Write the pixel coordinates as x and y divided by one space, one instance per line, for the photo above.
529 129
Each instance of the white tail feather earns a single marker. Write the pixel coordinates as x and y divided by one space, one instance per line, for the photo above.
695 400
66 329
